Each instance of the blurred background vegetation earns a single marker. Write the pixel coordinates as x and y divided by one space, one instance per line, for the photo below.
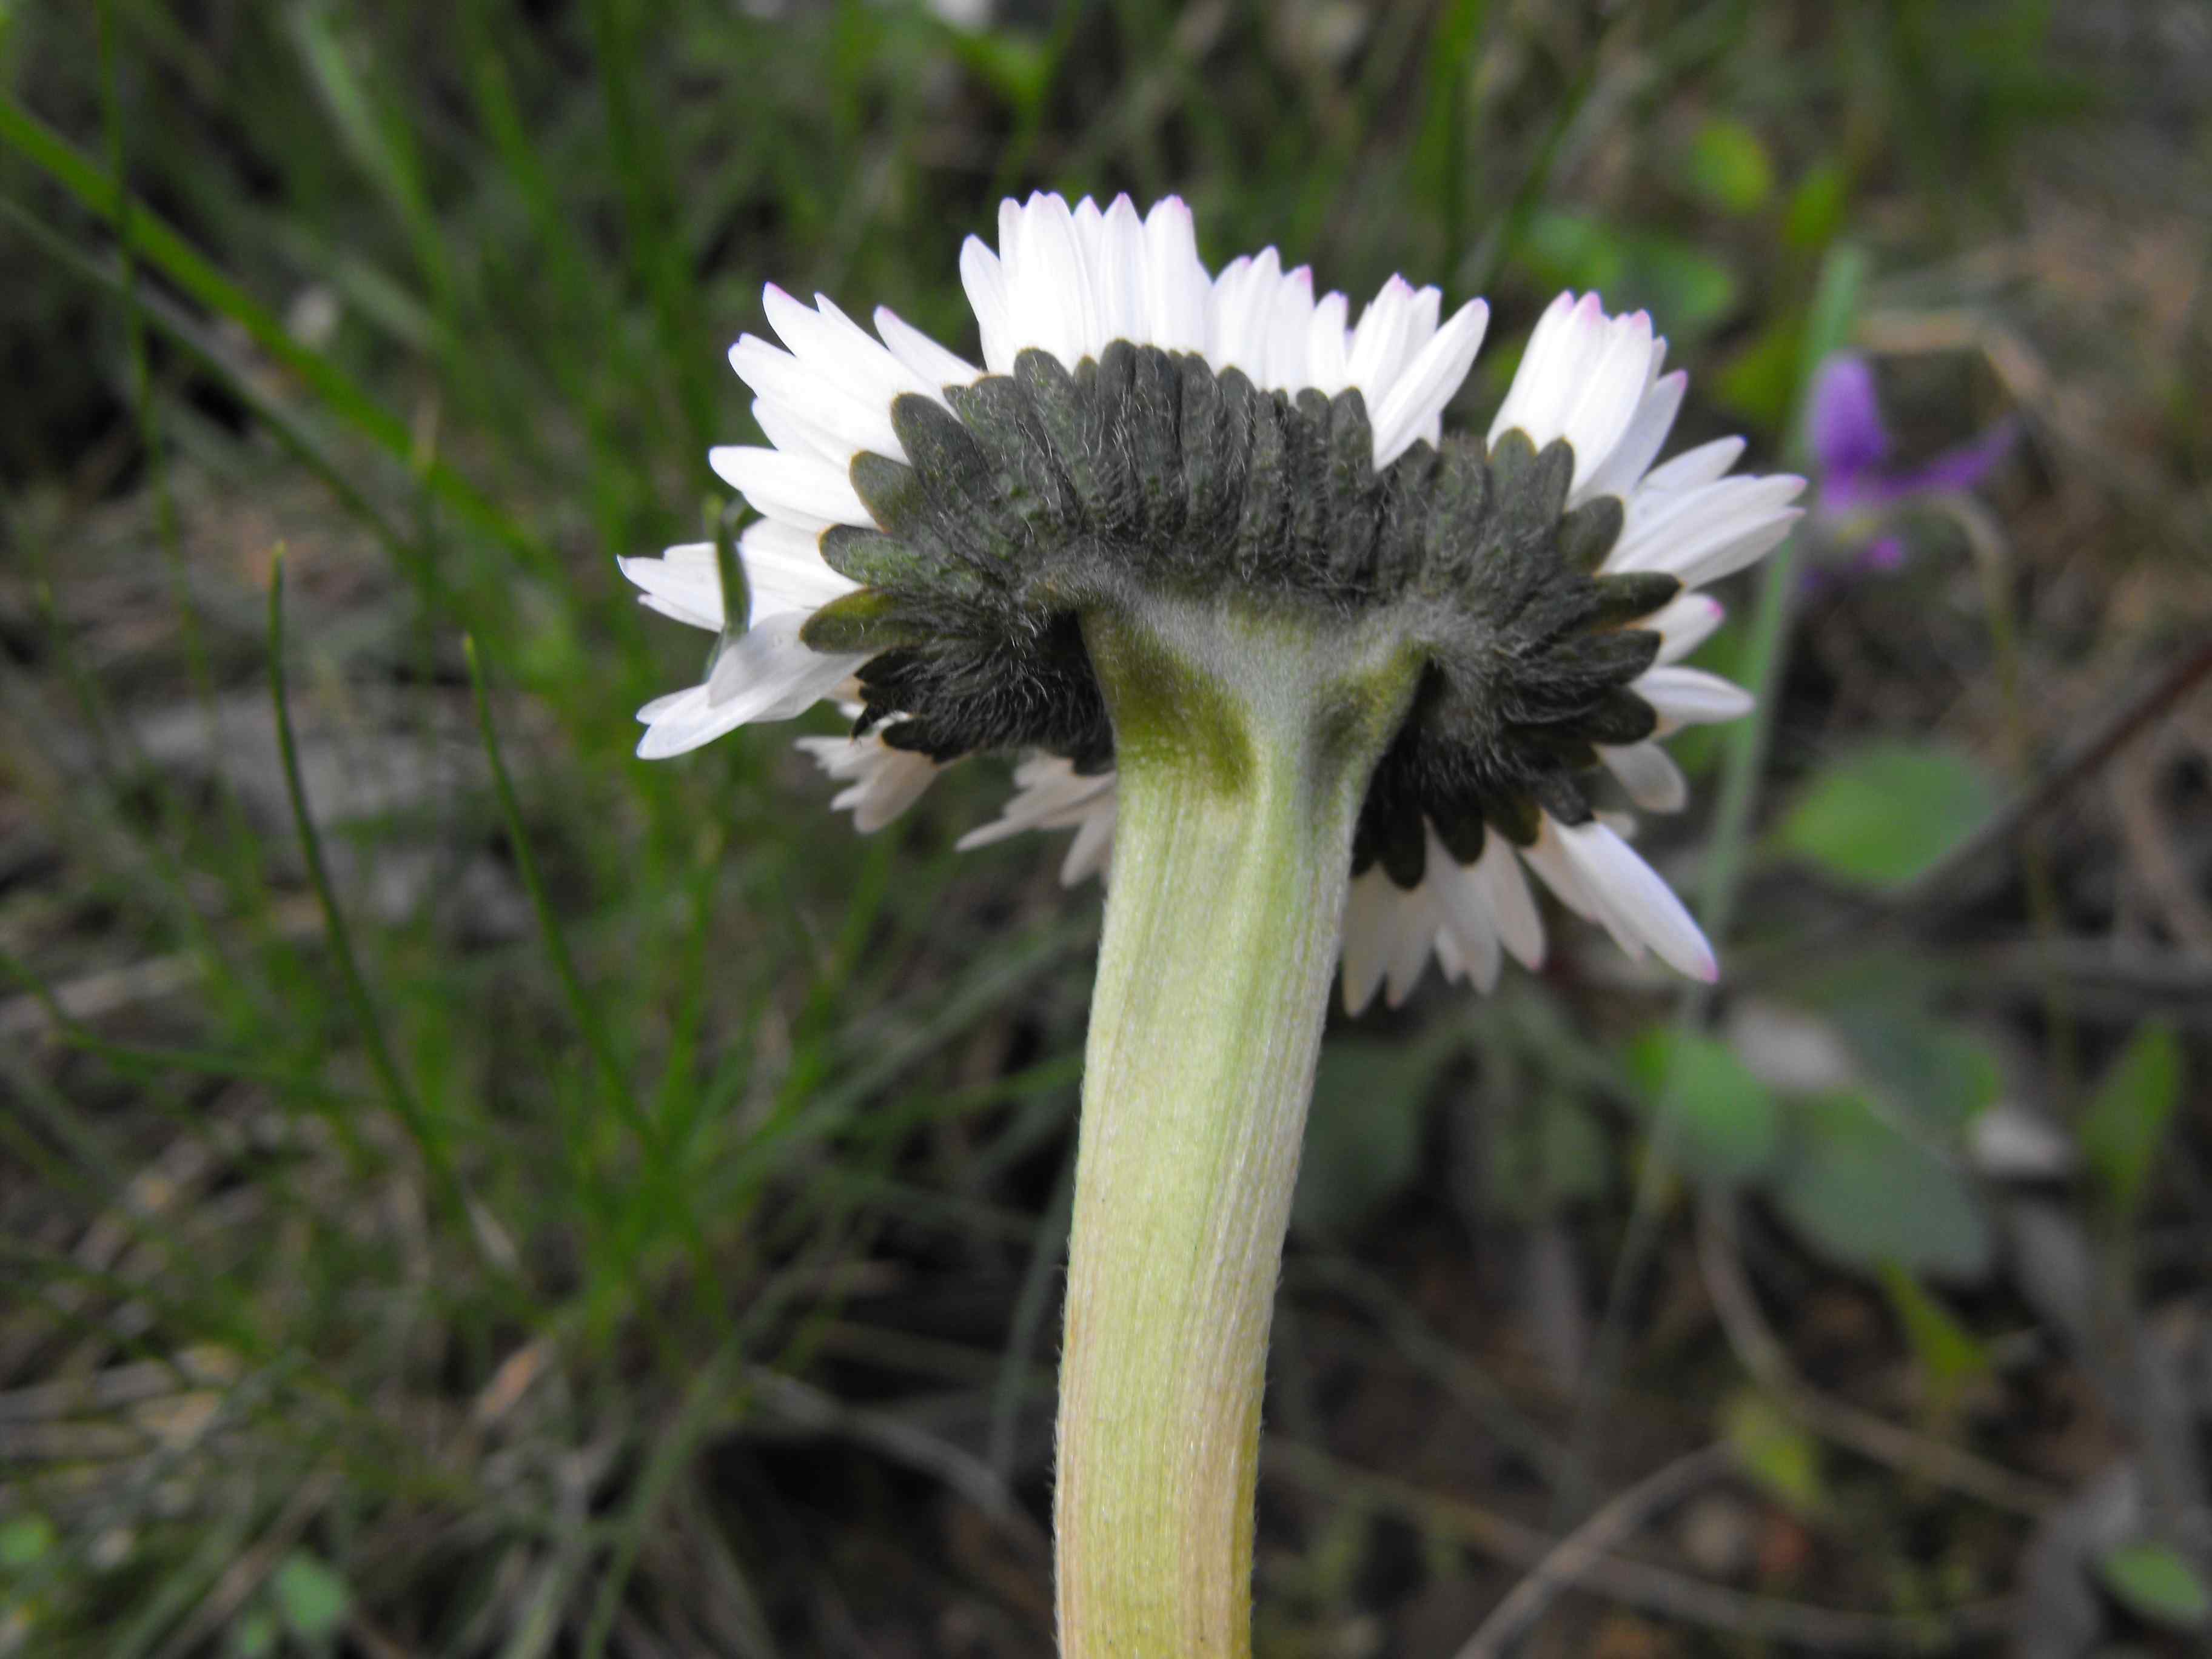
464 1191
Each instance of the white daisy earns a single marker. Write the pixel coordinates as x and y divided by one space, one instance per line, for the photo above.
901 482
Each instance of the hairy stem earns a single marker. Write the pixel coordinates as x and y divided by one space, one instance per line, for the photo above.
1243 745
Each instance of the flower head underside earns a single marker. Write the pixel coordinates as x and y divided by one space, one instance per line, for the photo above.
933 534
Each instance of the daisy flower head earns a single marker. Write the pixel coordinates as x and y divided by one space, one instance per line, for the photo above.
938 539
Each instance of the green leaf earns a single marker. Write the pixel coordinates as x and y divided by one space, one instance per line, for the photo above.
1573 250
1729 167
1864 1195
1682 282
24 1541
1015 66
2156 1582
1815 212
1760 382
1946 1349
254 1635
1887 814
1727 1124
2122 1129
313 1599
1941 1074
1774 1452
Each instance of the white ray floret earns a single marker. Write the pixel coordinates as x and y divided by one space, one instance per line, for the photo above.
1050 793
881 781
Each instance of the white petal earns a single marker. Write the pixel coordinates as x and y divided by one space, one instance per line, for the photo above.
1718 559
804 490
1633 895
1696 466
1600 411
1328 346
676 612
1049 794
1413 923
777 678
1089 221
1541 384
1683 623
1093 845
683 582
1450 960
680 722
1655 417
784 570
1690 697
1548 858
884 780
1118 276
1383 341
794 434
1468 922
985 279
1045 281
840 350
1648 772
1369 910
1429 382
769 674
1243 310
1178 296
1422 309
829 403
1290 321
931 361
1686 532
1520 925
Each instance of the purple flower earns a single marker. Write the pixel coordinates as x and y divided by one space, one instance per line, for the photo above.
1858 492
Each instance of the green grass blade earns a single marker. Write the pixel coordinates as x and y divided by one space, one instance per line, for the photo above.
651 1139
153 240
400 1098
581 1007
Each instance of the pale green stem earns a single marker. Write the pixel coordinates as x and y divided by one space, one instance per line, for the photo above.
1243 745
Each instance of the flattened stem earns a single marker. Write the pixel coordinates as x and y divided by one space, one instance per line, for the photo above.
1244 743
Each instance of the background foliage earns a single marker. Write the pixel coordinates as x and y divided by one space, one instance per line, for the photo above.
464 1191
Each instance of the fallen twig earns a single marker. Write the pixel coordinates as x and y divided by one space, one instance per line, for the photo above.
1581 1549
1637 1583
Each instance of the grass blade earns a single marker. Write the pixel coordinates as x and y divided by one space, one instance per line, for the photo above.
149 238
397 1094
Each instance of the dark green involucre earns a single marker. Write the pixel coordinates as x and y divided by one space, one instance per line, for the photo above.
1043 495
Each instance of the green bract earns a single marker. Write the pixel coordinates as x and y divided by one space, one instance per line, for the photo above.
1041 497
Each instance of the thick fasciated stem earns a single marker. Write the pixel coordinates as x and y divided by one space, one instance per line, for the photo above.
1243 745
